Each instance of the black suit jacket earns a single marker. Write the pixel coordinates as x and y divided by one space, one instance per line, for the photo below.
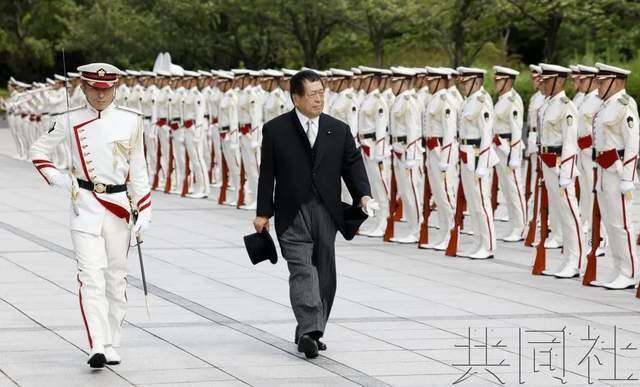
289 163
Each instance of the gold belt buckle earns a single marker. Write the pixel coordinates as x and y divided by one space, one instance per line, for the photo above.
99 188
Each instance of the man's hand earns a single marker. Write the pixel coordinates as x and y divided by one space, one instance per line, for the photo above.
626 186
564 182
369 206
260 223
63 181
142 223
482 172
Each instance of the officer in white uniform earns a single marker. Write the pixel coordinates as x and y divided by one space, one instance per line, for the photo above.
212 99
250 104
439 132
558 154
160 119
588 107
195 128
478 158
276 102
507 131
616 147
535 103
228 121
147 97
373 120
176 123
404 128
107 148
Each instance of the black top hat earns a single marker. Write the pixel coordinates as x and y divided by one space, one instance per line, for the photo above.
260 247
353 218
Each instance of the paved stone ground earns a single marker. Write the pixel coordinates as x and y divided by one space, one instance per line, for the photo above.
403 316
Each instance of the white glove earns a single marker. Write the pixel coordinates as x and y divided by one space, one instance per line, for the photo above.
626 186
255 145
531 143
564 182
143 222
443 167
62 180
371 207
410 163
515 163
482 172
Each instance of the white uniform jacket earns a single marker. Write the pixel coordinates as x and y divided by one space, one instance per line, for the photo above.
107 149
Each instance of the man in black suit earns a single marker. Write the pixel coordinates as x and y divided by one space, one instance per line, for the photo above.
305 154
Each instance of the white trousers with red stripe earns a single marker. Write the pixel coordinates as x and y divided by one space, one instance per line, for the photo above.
564 204
216 147
378 182
151 144
615 209
510 181
164 142
102 279
408 180
195 144
232 157
442 193
585 165
249 153
477 192
180 157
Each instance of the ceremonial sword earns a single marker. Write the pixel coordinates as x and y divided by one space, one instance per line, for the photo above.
144 278
74 189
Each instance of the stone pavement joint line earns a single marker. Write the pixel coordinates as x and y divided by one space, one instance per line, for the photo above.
58 336
200 310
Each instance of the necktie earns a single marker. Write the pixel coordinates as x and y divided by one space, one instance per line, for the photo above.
311 132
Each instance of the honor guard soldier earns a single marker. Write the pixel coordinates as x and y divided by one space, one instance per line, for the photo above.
276 102
404 128
535 103
284 85
107 149
160 118
439 132
589 105
134 99
178 131
57 101
478 158
228 116
76 96
250 104
576 83
212 99
616 153
123 90
345 108
507 131
148 98
558 153
195 128
373 120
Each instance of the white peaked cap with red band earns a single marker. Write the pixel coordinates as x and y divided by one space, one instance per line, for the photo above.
99 75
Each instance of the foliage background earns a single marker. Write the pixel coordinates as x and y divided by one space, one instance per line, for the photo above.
320 34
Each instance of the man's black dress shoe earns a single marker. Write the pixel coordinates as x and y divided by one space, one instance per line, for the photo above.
98 360
308 345
321 346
